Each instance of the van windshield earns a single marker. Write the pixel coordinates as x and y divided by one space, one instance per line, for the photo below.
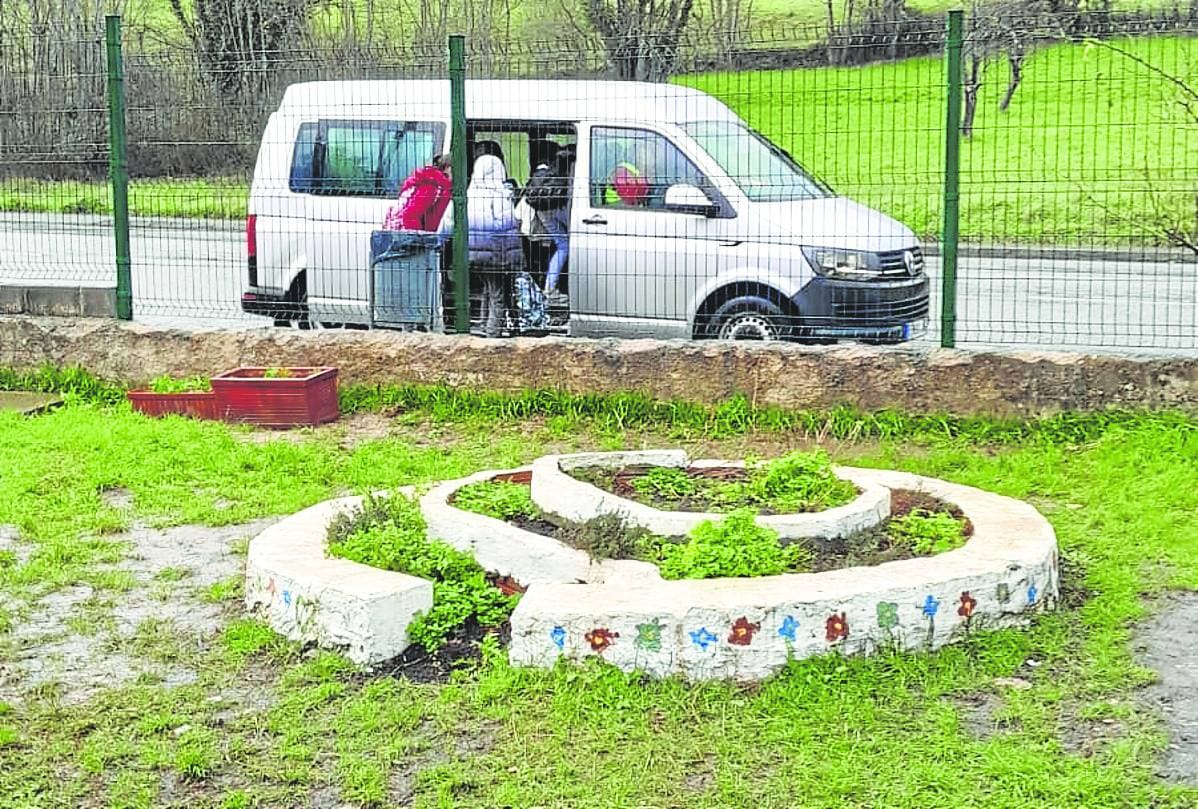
762 170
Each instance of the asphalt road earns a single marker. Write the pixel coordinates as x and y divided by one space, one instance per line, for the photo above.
189 274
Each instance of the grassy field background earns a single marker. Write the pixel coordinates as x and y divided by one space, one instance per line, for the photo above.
267 725
1092 141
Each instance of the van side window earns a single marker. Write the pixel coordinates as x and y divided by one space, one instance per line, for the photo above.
635 167
361 158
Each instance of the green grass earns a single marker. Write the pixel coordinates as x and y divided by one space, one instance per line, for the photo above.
890 731
1088 132
166 197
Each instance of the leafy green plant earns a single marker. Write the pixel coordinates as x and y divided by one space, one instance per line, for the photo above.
666 483
169 384
393 536
735 546
927 532
500 499
277 373
799 481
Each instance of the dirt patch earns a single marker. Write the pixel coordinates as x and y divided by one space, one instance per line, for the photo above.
1165 644
117 497
76 642
460 649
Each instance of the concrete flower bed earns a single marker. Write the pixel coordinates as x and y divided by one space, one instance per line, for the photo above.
625 613
556 491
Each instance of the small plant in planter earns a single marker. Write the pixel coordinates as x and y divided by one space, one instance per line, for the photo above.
166 395
278 396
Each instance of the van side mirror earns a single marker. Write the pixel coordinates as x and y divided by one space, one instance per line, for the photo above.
686 198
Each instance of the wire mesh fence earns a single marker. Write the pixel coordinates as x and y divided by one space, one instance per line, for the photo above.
699 183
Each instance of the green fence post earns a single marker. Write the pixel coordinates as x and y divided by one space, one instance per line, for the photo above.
952 181
118 167
461 239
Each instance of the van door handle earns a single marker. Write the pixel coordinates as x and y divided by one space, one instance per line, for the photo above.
594 220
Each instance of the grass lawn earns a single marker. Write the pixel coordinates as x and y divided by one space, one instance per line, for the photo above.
265 724
1091 143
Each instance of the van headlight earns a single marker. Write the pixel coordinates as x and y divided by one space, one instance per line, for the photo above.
835 263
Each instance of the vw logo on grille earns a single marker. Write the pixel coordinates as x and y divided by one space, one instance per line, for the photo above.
909 262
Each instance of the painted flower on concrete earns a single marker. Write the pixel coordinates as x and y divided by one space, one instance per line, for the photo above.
558 636
287 597
600 639
648 636
703 638
968 605
931 606
837 627
1003 592
887 614
742 631
789 628
1031 594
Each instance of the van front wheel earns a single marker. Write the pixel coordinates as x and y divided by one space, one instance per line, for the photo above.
749 318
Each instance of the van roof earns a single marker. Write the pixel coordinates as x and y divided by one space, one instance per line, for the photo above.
538 100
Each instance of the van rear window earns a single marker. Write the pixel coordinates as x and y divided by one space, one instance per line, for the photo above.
361 158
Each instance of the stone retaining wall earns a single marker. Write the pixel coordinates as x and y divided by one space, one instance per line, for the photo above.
909 379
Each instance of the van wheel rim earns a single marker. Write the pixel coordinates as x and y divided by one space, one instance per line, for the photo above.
748 326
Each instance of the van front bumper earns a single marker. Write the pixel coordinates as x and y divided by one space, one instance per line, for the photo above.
862 309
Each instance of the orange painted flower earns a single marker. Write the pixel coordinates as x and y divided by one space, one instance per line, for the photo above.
837 627
742 631
968 605
600 639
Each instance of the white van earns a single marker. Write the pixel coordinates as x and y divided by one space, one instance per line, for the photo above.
732 240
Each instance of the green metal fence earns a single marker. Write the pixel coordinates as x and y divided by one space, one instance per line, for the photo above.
976 179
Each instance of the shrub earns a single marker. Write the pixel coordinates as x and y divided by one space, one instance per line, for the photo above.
497 498
735 546
926 532
609 536
390 533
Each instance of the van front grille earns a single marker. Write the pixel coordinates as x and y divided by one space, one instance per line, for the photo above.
894 262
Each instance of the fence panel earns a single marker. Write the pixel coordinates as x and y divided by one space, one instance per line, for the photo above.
1077 182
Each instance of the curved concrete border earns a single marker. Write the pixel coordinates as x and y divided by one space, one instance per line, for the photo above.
746 629
556 491
306 595
527 557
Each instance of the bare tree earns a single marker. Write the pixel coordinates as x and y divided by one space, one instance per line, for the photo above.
239 42
725 24
1163 218
641 37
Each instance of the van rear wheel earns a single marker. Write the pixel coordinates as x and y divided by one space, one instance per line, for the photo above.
749 318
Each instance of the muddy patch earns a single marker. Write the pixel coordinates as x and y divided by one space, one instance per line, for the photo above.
1165 644
76 641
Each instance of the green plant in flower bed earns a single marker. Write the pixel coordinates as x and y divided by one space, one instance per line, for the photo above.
191 384
390 534
500 499
735 546
927 532
798 482
277 373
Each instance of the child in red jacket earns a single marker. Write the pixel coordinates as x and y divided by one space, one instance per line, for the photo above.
423 198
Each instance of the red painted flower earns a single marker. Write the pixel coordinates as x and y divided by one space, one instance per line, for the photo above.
742 631
968 605
837 626
600 639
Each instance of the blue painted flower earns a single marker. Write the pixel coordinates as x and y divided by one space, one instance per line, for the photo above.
558 636
788 628
930 606
1031 594
703 638
287 597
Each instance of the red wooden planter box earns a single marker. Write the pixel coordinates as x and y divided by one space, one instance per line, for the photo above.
196 404
307 397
